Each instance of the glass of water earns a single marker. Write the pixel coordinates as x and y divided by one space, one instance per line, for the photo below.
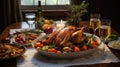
30 19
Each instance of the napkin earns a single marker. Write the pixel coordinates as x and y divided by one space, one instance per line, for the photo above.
33 59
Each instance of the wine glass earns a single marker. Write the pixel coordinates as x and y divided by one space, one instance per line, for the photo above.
95 22
30 19
104 31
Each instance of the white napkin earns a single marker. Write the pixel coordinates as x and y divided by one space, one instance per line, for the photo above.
32 58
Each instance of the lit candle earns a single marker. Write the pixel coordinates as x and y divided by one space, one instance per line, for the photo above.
60 24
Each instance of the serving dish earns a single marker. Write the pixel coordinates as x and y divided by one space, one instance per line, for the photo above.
65 55
114 46
24 36
10 51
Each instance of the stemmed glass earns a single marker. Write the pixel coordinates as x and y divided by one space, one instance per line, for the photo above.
95 22
30 19
104 31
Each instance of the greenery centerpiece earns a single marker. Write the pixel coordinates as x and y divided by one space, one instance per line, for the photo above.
76 12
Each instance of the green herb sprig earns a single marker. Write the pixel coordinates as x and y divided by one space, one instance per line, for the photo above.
77 11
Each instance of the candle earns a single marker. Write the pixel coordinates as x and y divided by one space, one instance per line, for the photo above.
60 24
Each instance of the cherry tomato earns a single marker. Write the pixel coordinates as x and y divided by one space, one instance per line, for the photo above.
93 46
93 43
84 47
53 50
76 49
38 44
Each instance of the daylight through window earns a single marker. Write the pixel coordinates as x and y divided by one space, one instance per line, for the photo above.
45 2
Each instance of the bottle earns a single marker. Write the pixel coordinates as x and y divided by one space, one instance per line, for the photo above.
39 15
39 10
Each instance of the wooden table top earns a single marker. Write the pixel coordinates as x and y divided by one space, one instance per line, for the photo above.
21 25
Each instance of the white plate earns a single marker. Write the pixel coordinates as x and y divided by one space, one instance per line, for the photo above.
66 55
114 44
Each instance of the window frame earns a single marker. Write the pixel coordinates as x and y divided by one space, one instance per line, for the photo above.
33 8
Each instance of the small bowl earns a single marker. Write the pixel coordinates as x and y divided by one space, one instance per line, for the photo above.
114 46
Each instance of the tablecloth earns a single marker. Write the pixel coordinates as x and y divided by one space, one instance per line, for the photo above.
32 58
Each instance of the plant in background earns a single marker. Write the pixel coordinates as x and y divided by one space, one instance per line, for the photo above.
76 12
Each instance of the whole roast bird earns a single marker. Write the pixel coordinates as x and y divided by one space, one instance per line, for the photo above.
69 34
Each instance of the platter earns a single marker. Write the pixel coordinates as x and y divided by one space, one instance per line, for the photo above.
24 36
64 55
114 46
10 51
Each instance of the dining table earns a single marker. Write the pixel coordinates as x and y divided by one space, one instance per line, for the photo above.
24 25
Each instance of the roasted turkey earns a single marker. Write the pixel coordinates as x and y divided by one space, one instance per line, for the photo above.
78 37
69 34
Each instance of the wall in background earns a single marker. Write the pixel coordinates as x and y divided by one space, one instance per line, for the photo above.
107 8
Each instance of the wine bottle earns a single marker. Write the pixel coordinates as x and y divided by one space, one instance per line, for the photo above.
39 15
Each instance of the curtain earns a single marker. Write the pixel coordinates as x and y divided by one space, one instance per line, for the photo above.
10 12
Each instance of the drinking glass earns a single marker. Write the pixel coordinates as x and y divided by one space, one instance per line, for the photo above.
95 22
30 19
104 31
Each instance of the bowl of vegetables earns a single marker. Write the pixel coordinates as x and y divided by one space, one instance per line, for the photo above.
59 45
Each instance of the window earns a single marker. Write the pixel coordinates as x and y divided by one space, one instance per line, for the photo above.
45 2
52 8
31 5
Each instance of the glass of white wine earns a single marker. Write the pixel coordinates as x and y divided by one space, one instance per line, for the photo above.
30 19
95 22
104 31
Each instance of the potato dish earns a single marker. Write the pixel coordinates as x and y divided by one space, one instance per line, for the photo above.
10 51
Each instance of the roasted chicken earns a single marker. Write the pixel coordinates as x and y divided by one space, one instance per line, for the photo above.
78 36
53 35
68 34
64 35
